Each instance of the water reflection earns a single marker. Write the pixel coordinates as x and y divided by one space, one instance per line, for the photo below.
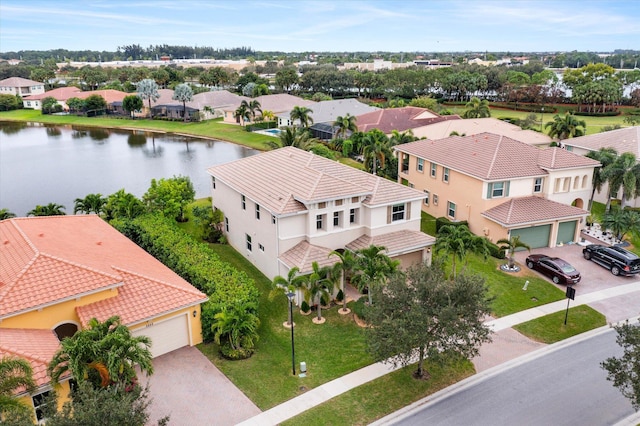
72 162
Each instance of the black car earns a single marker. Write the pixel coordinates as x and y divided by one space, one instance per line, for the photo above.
618 260
559 270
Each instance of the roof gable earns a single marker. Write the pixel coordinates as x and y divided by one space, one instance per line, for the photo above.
622 140
400 119
525 210
19 82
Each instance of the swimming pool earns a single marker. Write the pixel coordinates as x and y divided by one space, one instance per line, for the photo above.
274 131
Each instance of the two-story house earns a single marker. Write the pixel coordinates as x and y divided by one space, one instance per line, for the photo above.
19 86
289 207
59 272
501 186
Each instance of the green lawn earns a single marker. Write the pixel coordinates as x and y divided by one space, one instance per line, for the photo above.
373 400
213 129
551 328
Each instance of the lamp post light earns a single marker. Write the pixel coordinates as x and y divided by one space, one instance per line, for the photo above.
290 296
541 119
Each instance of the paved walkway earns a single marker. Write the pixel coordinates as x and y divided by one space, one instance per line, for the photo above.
371 372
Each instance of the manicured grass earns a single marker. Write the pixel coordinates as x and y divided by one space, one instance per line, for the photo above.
551 328
427 224
212 129
373 400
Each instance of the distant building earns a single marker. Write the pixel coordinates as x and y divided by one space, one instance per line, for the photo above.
20 86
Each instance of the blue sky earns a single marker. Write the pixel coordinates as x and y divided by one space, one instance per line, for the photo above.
330 25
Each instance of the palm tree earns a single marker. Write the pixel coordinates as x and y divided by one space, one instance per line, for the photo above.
622 222
317 288
241 113
348 261
302 115
148 90
92 203
566 127
477 108
458 241
184 94
510 245
292 283
373 268
105 354
376 149
296 137
51 209
124 205
399 138
238 323
606 157
6 214
344 125
16 375
623 173
253 107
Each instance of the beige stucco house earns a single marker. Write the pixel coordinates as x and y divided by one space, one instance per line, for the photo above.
501 186
289 207
19 86
622 140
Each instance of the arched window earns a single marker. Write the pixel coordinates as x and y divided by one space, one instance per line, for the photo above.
66 329
576 182
585 180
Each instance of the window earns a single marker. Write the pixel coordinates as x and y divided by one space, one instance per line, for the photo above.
537 185
576 182
434 168
338 202
585 179
244 203
420 165
497 190
322 205
319 221
258 211
226 224
261 247
39 404
426 197
353 215
273 219
411 185
249 244
355 199
397 212
337 218
405 163
451 210
435 199
445 174
213 182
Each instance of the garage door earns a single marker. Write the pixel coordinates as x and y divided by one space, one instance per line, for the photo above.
166 336
534 236
566 232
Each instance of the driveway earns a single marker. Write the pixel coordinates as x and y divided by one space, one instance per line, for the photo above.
192 391
594 278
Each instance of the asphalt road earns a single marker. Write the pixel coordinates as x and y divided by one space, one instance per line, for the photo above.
562 387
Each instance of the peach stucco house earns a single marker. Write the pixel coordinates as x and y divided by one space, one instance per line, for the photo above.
58 272
501 186
289 207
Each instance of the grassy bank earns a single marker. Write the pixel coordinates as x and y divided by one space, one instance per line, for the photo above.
211 129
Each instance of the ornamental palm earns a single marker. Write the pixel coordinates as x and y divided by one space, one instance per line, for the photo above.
510 245
296 137
106 348
317 287
292 283
51 209
622 222
458 241
623 173
184 94
376 150
606 157
477 108
148 90
373 268
92 203
237 323
241 113
344 125
347 264
302 115
6 214
16 375
399 138
566 127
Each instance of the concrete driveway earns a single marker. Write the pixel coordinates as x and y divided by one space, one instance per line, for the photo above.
594 278
192 391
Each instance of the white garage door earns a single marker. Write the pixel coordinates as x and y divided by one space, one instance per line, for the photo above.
166 336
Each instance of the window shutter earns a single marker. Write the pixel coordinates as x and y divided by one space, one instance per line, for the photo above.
408 211
506 188
489 190
389 213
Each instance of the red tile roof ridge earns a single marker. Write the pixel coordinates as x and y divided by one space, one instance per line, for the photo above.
191 289
495 156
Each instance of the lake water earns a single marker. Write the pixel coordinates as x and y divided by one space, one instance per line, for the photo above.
42 164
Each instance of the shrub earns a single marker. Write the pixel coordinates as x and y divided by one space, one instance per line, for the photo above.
340 296
442 221
597 114
235 354
359 307
495 251
304 307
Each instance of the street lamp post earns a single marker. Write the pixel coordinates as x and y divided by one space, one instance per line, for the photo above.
290 296
541 119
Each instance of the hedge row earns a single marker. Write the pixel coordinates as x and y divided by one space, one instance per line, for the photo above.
194 261
597 114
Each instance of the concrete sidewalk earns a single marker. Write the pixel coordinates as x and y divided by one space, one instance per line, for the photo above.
371 372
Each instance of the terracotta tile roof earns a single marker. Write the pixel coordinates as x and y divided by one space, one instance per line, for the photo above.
44 260
400 119
474 126
622 140
304 254
109 95
395 243
19 82
35 346
284 179
282 102
59 94
530 210
166 98
493 157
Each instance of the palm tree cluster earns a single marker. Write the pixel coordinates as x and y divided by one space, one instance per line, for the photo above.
458 241
621 172
565 127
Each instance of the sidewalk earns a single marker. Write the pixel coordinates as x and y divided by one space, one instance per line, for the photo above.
371 372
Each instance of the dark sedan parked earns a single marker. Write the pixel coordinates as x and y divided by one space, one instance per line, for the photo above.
560 271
